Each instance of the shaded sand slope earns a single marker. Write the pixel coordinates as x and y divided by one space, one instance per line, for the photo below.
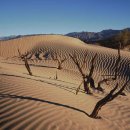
40 102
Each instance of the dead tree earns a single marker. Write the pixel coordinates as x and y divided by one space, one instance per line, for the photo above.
109 97
59 58
56 77
46 55
24 58
113 93
87 79
112 77
37 54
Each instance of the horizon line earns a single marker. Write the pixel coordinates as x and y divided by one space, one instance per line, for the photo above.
27 34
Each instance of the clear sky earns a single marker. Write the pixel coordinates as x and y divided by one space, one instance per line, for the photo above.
62 16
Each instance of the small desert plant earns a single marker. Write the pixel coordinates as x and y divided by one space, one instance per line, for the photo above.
59 58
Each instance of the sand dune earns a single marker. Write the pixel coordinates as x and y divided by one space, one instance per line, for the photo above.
41 102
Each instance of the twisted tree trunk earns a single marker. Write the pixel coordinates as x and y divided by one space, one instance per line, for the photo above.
24 58
27 66
86 87
109 97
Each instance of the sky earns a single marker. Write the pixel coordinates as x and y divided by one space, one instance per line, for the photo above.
18 17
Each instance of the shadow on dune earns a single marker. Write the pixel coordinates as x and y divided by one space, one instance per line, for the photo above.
43 101
52 79
31 65
66 88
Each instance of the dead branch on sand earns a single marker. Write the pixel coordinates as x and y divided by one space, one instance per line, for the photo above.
109 97
24 58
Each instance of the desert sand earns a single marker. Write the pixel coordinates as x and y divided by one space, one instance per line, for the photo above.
42 102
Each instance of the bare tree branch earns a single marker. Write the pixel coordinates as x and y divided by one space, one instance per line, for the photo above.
109 97
92 66
74 58
25 61
84 60
77 90
60 59
87 79
114 77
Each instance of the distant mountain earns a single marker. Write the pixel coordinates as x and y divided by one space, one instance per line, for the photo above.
10 37
95 36
19 36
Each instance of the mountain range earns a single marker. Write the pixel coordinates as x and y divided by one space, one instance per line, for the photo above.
95 36
88 37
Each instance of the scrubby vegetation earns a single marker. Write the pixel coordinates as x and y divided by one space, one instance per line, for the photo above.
123 37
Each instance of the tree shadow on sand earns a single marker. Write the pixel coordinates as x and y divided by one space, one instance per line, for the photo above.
41 100
51 78
59 85
31 65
